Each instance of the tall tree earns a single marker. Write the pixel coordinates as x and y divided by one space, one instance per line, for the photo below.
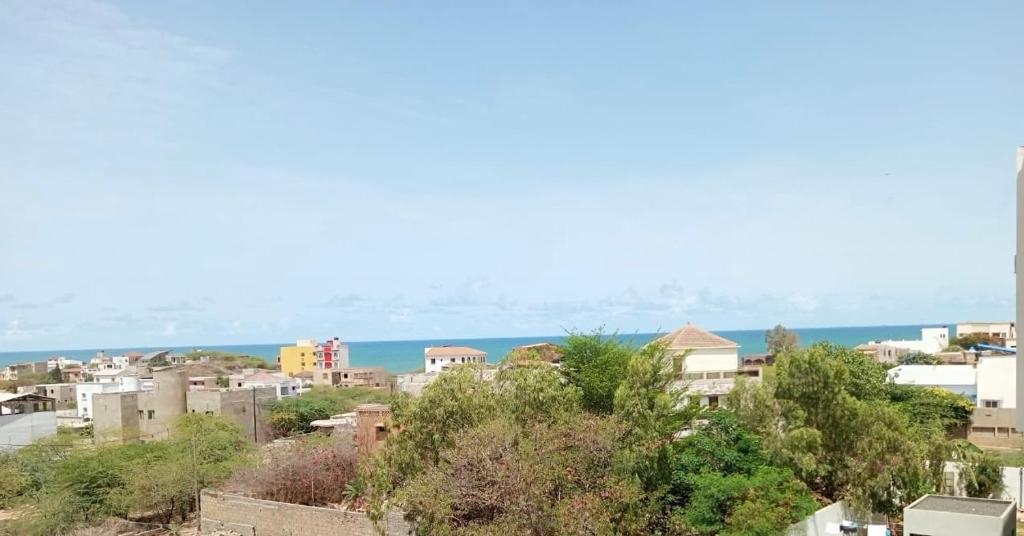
780 340
595 363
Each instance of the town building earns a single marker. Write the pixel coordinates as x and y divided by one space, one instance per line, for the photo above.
332 355
706 364
959 379
104 382
438 358
24 418
943 515
61 363
295 359
932 341
882 352
373 377
65 395
71 374
245 407
282 385
1001 333
141 414
12 372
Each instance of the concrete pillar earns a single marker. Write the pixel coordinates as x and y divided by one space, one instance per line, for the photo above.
1019 271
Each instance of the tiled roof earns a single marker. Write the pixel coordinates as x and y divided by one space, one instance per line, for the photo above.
690 336
452 351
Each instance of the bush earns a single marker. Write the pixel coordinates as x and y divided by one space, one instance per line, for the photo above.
314 472
293 415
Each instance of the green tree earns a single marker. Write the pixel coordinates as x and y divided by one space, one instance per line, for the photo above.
595 363
919 358
54 375
970 340
780 340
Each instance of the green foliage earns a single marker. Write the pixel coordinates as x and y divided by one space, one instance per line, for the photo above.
932 406
980 472
228 360
919 358
971 340
595 363
68 486
780 340
293 415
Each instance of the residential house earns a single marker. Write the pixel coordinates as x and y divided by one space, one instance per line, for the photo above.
141 414
71 374
65 395
282 385
374 377
1003 333
61 363
332 355
707 364
24 418
104 382
438 358
882 352
247 407
11 372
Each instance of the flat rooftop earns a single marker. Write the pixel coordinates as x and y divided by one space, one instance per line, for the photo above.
962 505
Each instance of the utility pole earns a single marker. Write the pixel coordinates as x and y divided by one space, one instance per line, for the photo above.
255 430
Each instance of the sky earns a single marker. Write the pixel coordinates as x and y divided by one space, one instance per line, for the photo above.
194 172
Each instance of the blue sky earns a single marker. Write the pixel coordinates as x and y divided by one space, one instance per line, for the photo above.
194 172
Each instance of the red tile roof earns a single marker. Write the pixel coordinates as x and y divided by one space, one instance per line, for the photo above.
690 336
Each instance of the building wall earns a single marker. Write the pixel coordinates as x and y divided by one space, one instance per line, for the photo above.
254 517
22 429
816 523
295 359
237 405
437 364
711 359
997 380
64 394
373 424
115 417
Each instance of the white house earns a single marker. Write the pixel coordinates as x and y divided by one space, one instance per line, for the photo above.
997 382
283 385
707 364
437 358
108 381
1006 331
933 341
959 379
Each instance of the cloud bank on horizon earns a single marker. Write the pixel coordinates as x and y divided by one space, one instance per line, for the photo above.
205 173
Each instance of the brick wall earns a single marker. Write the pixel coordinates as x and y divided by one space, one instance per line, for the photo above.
254 517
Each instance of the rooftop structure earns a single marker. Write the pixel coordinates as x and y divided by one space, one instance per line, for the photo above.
942 515
933 340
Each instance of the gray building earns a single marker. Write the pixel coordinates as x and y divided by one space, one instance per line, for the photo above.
942 515
245 407
24 418
64 394
141 415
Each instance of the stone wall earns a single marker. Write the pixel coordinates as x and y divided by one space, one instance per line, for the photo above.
254 517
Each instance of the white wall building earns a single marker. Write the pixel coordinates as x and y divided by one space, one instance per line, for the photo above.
997 382
283 385
111 381
1000 330
933 341
959 379
438 358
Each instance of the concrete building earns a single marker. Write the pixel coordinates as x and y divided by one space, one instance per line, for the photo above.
246 407
997 382
883 353
65 395
959 379
11 372
932 341
438 358
1003 333
25 418
119 381
707 365
141 415
942 515
295 359
332 355
373 425
62 363
71 374
374 377
282 385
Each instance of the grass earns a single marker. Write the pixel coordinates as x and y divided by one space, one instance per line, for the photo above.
1008 457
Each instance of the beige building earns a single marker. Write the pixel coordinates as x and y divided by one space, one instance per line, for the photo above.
373 425
374 377
246 407
63 394
141 415
707 364
1005 333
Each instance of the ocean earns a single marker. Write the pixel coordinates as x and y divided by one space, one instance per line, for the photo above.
405 356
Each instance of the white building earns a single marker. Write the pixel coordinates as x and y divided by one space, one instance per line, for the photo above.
933 341
438 358
959 379
108 381
61 362
997 382
706 363
283 385
331 355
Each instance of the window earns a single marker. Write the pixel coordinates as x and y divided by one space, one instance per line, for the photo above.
433 361
150 414
990 403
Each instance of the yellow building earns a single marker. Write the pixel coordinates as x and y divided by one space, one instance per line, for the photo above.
295 359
